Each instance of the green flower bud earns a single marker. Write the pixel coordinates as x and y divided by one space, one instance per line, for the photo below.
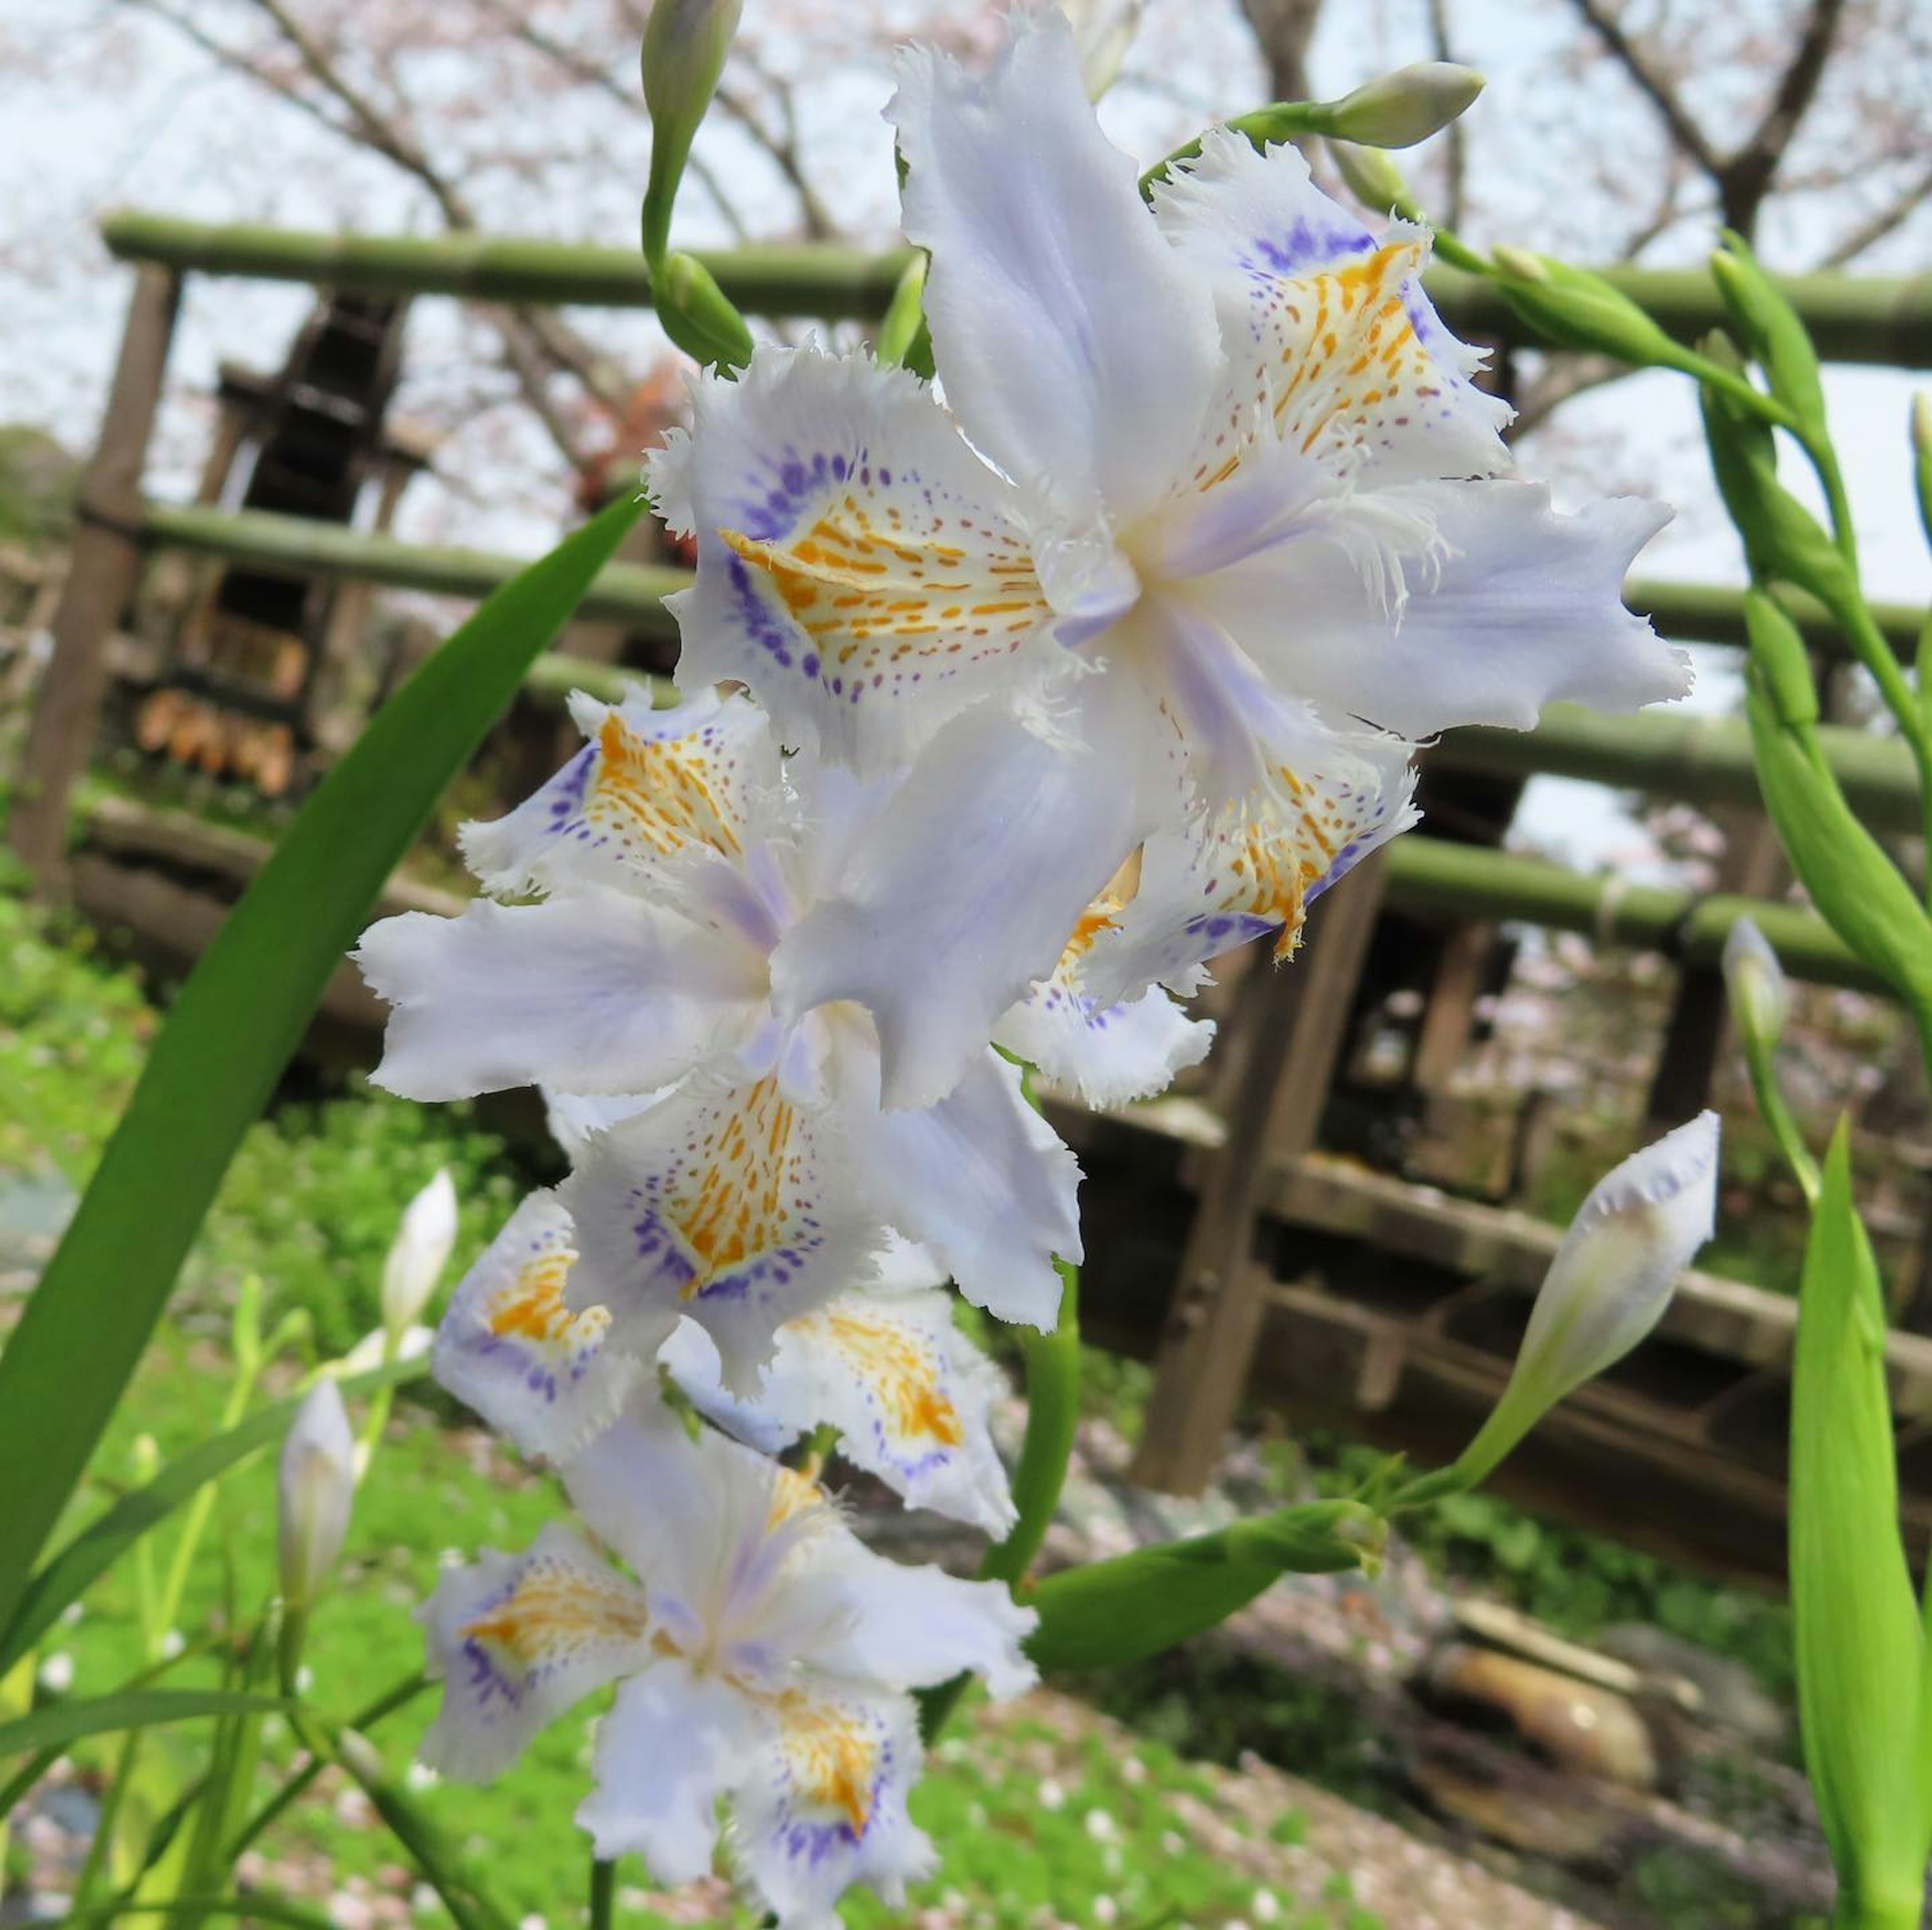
1400 108
1577 309
1782 538
1370 176
1922 458
699 316
1857 889
686 42
1779 660
1772 327
1856 1633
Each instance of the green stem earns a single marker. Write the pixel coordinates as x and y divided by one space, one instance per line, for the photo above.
1053 1418
1771 1103
107 1819
194 1522
405 1691
1052 1362
1888 1913
603 1892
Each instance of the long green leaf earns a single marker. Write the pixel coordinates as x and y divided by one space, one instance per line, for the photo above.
253 1907
1856 1632
234 1027
104 1539
65 1722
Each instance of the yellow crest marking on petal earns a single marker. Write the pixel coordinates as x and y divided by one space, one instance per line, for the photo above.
832 1760
872 597
665 793
530 1306
899 1364
737 1190
1351 356
553 1608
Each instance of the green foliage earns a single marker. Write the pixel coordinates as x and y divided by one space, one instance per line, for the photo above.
74 1026
1860 1664
233 1029
312 1201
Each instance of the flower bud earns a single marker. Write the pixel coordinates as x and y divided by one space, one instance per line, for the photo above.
1576 309
315 1483
1760 999
418 1254
1922 458
685 42
698 315
1399 109
1609 1282
1369 175
1103 30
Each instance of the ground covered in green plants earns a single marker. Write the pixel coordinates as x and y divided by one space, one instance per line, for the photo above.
1049 1814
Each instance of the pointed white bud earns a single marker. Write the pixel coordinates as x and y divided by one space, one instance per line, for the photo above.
1398 109
1103 30
1760 998
418 1254
1610 1280
315 1484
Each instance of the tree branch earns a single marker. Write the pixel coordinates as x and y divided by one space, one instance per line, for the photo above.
1652 84
1874 228
1745 178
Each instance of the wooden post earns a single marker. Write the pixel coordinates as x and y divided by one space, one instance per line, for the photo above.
101 576
1214 1320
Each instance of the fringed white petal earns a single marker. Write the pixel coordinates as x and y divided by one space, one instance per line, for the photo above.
859 566
826 1808
982 1179
1509 607
732 1204
1325 324
596 992
517 1639
510 1347
1079 352
650 786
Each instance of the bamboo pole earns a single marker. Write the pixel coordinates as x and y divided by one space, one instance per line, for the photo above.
630 591
1698 760
818 279
1459 882
1711 614
1691 613
1702 760
1885 319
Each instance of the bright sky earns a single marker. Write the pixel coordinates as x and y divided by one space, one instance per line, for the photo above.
158 132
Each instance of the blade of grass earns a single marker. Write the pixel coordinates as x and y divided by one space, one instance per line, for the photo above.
72 1567
234 1027
65 1722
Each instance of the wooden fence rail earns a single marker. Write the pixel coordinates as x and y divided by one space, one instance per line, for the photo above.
1871 319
